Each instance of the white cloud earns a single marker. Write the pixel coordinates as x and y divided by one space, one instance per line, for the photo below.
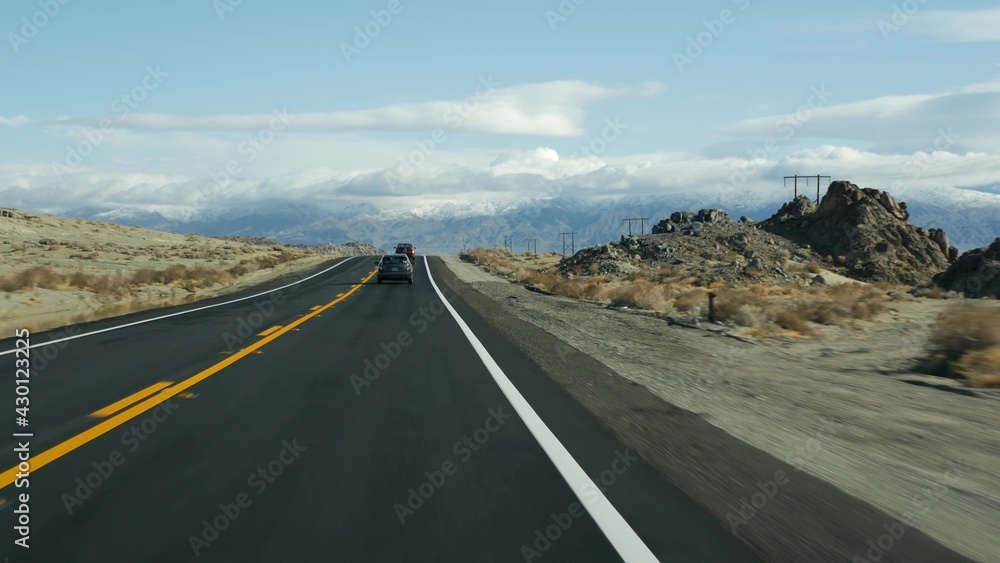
959 26
897 123
16 121
509 176
905 131
555 109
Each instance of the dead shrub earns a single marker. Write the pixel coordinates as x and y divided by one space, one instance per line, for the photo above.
78 279
35 276
795 319
965 343
687 300
108 285
637 295
981 368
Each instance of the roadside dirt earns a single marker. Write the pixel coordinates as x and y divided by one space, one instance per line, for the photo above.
872 447
104 254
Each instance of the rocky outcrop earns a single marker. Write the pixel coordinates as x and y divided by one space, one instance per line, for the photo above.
706 246
867 232
689 222
975 273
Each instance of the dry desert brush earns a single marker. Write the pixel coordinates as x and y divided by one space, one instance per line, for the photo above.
965 344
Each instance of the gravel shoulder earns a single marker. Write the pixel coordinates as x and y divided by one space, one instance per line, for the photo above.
872 448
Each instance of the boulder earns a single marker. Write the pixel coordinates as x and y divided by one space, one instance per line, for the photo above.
870 229
975 273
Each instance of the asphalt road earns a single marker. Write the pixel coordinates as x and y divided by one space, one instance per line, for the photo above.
373 425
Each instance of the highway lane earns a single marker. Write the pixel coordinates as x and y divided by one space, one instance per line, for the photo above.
127 360
340 452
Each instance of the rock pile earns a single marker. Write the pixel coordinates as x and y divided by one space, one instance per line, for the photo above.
867 233
689 223
706 245
975 274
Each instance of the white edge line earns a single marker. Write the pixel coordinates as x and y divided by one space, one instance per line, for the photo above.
46 343
624 539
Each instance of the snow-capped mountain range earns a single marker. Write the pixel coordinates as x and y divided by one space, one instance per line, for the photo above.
970 217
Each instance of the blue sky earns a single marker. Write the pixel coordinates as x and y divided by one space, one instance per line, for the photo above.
208 77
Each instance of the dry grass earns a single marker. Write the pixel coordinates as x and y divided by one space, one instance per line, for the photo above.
965 343
640 294
120 284
788 309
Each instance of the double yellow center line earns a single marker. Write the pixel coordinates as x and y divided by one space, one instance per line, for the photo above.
59 450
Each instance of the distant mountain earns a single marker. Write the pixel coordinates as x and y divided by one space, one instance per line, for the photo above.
970 221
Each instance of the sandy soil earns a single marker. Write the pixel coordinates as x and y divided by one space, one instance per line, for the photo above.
844 406
67 246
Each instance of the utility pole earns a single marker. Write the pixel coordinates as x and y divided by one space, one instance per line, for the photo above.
642 224
508 243
530 241
572 243
795 180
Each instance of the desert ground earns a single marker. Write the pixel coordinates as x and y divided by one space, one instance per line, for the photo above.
56 271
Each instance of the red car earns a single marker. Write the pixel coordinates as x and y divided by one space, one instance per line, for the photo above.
407 249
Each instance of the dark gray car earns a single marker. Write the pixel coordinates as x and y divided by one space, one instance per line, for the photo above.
394 267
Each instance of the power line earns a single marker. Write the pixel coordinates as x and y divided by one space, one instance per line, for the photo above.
572 243
508 243
806 178
642 224
530 241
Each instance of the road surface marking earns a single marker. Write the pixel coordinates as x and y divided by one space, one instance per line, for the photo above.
273 329
109 424
131 399
109 329
318 306
624 539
